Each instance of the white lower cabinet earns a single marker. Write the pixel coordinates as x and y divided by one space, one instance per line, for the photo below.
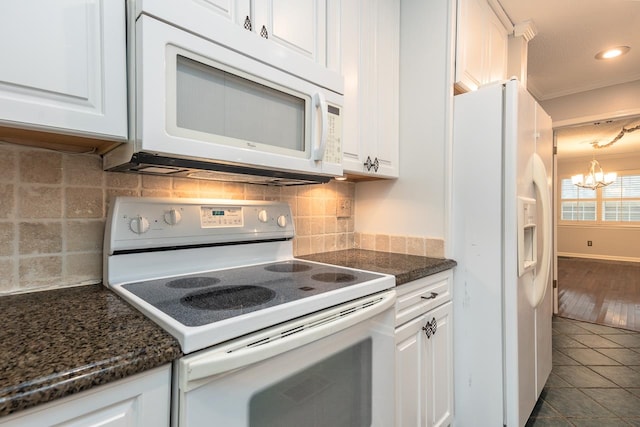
424 359
141 400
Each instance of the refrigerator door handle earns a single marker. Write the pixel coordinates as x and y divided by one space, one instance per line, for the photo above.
542 274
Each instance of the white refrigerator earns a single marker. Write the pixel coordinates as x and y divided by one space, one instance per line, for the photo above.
502 241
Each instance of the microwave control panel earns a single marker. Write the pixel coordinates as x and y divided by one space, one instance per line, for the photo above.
333 152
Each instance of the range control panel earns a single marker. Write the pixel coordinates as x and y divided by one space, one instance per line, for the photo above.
138 223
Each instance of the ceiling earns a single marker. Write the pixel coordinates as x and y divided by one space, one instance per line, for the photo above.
561 60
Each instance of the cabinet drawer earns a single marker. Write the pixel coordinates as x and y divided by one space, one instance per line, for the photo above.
422 295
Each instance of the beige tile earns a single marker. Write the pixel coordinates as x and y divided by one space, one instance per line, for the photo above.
233 191
39 238
8 163
303 245
317 244
40 167
39 202
317 207
7 239
153 182
330 242
398 244
186 184
303 226
342 241
367 241
330 205
7 275
84 202
416 246
382 242
185 194
39 271
83 268
290 191
304 206
351 243
83 235
291 201
122 180
82 170
156 193
435 248
342 225
7 201
356 240
112 193
330 224
316 224
271 193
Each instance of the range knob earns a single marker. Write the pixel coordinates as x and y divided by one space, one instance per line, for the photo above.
172 217
139 224
282 221
263 216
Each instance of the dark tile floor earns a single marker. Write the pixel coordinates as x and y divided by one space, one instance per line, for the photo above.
595 379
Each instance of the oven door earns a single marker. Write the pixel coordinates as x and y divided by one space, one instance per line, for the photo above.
199 100
332 368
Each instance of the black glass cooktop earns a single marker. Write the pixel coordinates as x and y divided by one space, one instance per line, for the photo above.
204 298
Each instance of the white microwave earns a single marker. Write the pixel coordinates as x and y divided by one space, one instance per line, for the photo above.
203 109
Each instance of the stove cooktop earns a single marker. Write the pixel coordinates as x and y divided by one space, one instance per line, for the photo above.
205 298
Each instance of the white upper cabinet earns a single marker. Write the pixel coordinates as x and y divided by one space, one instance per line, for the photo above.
309 28
63 67
370 67
481 48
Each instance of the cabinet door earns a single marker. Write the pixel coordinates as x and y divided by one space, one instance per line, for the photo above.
438 376
411 363
424 378
140 400
63 67
370 65
299 25
481 46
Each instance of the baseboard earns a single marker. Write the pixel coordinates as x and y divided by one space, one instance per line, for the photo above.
596 256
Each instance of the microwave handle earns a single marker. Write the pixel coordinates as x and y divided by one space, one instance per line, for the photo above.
321 103
323 324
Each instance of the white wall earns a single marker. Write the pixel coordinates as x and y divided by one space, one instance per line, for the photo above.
618 242
416 204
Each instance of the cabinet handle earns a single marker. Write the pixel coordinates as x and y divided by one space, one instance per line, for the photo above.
432 296
430 328
247 23
264 33
375 164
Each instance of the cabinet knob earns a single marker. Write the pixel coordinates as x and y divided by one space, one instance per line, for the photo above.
376 164
430 328
264 33
247 23
368 164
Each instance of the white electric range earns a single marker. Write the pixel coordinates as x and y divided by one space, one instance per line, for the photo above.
220 276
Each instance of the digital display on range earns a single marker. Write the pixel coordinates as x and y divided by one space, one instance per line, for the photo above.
219 216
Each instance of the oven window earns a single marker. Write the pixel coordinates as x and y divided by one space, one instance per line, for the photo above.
333 392
215 102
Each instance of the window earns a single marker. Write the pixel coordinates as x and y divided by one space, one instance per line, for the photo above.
578 204
621 200
618 202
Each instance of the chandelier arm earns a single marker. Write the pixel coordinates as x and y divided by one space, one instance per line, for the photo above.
616 139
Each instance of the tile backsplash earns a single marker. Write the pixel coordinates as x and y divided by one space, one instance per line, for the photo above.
53 208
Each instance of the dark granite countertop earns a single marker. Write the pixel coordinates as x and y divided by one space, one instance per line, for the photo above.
59 342
406 268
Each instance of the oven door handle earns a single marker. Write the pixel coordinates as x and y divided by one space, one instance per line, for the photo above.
281 339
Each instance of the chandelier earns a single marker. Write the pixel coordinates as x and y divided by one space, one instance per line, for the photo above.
594 178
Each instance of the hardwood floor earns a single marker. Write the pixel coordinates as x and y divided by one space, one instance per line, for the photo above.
597 291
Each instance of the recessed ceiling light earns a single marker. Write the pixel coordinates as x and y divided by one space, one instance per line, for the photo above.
613 52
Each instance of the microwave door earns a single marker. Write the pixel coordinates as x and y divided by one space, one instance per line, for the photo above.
209 102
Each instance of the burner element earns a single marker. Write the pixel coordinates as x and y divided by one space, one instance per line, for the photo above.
193 282
334 277
288 267
229 298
